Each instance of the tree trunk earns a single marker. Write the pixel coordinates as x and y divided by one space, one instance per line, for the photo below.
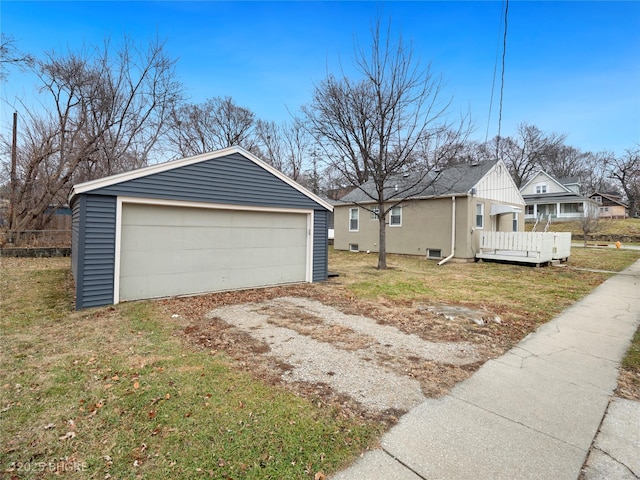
382 240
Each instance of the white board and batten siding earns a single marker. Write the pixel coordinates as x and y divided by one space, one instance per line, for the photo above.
498 185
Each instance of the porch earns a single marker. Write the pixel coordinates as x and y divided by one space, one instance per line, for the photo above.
555 211
539 248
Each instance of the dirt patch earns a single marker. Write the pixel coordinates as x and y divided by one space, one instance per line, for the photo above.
628 385
434 376
297 319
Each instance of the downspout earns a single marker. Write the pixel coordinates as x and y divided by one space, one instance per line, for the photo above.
453 232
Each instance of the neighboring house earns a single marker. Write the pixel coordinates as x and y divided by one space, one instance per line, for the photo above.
610 205
219 221
547 197
61 218
441 218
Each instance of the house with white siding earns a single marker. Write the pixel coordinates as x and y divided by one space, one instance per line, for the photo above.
557 199
441 217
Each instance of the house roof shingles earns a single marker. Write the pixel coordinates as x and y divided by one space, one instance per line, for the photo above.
455 180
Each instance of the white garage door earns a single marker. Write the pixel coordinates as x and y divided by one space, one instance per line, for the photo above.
167 250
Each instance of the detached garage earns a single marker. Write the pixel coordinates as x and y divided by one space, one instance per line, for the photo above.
219 221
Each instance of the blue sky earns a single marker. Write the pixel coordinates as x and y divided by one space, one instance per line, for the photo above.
571 67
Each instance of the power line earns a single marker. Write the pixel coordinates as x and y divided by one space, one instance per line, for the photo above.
493 81
504 54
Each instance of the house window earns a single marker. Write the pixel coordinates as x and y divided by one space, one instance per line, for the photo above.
479 215
528 209
353 219
353 247
434 253
374 213
571 208
395 219
598 198
515 222
541 188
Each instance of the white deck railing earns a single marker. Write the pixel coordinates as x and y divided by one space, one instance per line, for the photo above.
528 247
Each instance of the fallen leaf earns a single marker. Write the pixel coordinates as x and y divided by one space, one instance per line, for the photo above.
68 436
136 385
49 426
319 476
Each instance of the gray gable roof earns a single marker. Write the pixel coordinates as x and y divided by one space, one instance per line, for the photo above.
569 181
454 180
612 197
218 176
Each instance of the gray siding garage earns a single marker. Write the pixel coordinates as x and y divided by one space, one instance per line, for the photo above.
220 221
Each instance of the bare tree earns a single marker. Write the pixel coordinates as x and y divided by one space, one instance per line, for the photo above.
11 56
564 161
370 129
217 123
526 152
625 170
595 176
270 144
589 222
286 146
102 113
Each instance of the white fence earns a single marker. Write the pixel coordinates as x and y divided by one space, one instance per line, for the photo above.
525 247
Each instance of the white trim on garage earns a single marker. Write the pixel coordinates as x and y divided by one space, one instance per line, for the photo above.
121 200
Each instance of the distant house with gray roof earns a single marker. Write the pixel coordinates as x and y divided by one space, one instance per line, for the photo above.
438 215
558 199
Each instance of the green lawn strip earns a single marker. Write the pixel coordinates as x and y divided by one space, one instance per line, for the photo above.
611 227
631 361
113 393
629 379
603 258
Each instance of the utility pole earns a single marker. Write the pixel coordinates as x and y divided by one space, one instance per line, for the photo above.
13 181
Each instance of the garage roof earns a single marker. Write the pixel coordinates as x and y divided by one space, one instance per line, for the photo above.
163 167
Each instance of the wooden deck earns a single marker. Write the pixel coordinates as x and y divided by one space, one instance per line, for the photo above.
525 247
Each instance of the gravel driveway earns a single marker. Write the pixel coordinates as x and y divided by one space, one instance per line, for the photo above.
353 354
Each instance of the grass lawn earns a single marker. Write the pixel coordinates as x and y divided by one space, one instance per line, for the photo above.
524 296
629 381
117 392
613 228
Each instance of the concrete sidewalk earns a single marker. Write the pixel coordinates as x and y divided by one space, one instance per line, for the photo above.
532 413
